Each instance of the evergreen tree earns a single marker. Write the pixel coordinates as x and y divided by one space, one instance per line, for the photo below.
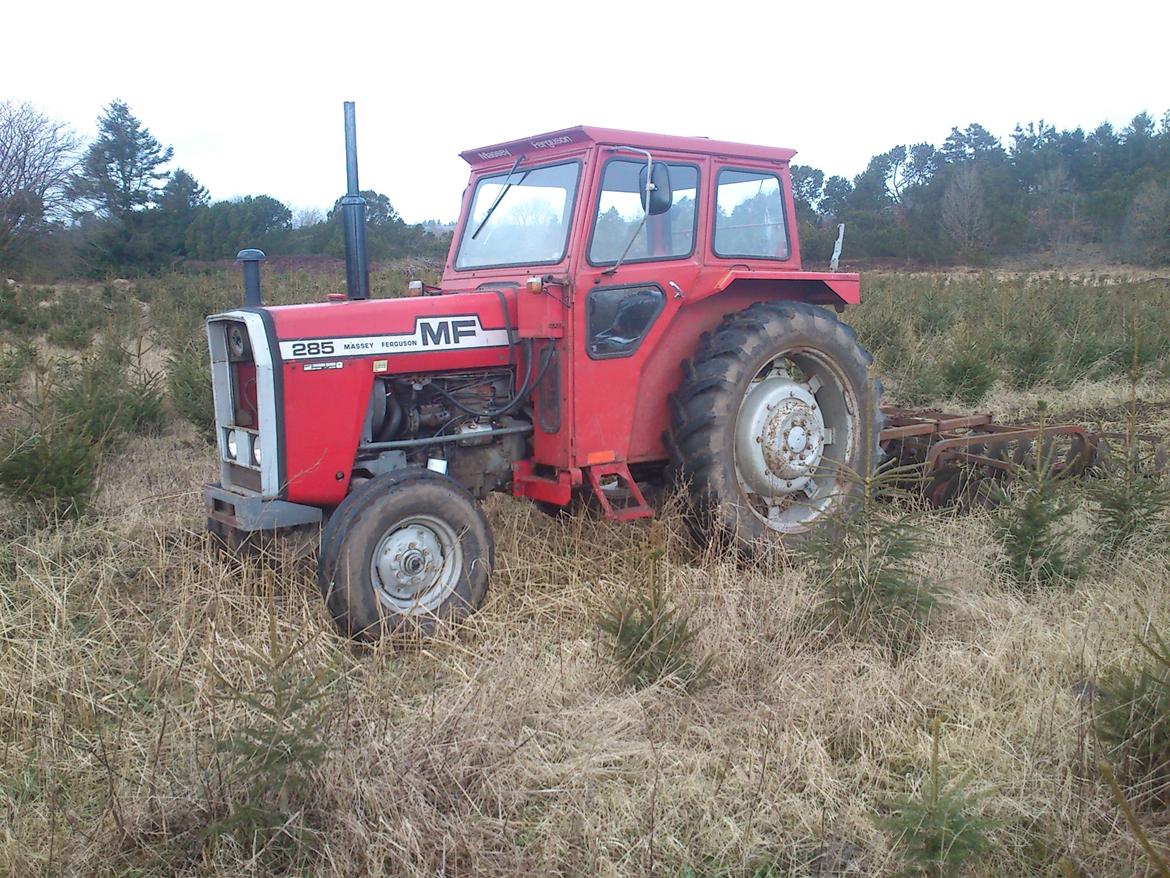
179 202
121 169
118 181
226 227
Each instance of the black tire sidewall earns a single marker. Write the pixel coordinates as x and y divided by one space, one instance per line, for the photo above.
357 527
719 505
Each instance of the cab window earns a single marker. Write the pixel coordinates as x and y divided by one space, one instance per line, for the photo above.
669 235
749 215
618 318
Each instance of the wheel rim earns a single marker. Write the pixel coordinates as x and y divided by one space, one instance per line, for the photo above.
416 565
794 434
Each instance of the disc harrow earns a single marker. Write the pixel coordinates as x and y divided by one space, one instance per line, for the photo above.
962 457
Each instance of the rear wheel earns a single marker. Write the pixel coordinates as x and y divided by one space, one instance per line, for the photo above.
775 414
406 549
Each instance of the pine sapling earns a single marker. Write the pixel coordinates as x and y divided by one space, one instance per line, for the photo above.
937 830
652 640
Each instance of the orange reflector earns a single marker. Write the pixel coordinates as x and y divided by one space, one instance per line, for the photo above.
336 297
599 457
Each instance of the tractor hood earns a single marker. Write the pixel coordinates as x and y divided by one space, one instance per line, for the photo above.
398 335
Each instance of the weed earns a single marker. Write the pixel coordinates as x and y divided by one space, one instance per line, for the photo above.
1158 861
937 831
15 362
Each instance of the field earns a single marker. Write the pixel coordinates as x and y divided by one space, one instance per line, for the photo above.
140 668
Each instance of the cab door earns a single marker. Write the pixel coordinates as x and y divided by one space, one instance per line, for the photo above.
622 310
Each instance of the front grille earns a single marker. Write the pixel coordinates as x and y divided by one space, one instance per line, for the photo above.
243 385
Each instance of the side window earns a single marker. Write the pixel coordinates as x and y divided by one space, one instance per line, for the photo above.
670 235
618 318
749 215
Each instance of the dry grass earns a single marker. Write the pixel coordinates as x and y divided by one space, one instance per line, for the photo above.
511 747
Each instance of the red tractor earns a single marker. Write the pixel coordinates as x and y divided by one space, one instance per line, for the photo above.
618 312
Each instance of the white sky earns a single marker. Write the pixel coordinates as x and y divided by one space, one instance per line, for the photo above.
249 94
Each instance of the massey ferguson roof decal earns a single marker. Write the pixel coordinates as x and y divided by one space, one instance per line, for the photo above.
430 334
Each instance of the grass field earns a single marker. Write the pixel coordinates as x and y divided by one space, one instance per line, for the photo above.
137 665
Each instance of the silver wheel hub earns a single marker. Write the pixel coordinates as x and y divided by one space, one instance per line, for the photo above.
416 564
780 437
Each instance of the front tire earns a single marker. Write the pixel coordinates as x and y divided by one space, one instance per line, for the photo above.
406 550
775 415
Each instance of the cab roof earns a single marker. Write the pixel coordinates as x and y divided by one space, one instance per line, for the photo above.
573 139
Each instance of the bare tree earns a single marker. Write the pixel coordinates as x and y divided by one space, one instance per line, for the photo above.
964 218
37 155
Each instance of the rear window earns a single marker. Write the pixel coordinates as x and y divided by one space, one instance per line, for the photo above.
749 215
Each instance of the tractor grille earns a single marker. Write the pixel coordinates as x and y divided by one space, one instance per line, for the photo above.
245 402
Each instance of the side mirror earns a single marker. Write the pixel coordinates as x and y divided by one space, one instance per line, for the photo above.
660 197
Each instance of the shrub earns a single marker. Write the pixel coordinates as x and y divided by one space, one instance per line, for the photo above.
937 830
105 396
1130 507
1030 521
867 562
1031 355
53 468
966 373
266 762
1133 722
653 641
189 386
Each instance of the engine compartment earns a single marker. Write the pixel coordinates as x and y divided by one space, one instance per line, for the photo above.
463 411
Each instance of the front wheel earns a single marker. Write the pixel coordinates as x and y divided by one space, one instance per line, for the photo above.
775 418
408 549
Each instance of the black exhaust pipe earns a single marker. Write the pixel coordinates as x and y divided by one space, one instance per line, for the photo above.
250 261
353 216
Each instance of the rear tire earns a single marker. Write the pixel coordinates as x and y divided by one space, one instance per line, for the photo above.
775 409
406 550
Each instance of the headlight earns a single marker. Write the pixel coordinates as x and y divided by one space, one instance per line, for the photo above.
256 450
233 445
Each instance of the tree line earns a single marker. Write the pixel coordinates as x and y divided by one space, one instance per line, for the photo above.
975 199
115 205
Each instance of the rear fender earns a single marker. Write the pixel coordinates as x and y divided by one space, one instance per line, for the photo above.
662 371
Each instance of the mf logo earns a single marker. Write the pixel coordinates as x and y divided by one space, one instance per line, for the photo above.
454 332
446 330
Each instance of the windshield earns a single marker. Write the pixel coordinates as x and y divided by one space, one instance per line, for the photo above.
529 226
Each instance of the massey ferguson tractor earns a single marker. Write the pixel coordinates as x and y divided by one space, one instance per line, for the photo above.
618 312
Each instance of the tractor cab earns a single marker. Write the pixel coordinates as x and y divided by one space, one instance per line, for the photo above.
621 248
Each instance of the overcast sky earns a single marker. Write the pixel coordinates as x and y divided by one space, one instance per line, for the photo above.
249 94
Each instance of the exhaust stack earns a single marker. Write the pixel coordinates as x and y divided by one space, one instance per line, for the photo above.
353 216
250 261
